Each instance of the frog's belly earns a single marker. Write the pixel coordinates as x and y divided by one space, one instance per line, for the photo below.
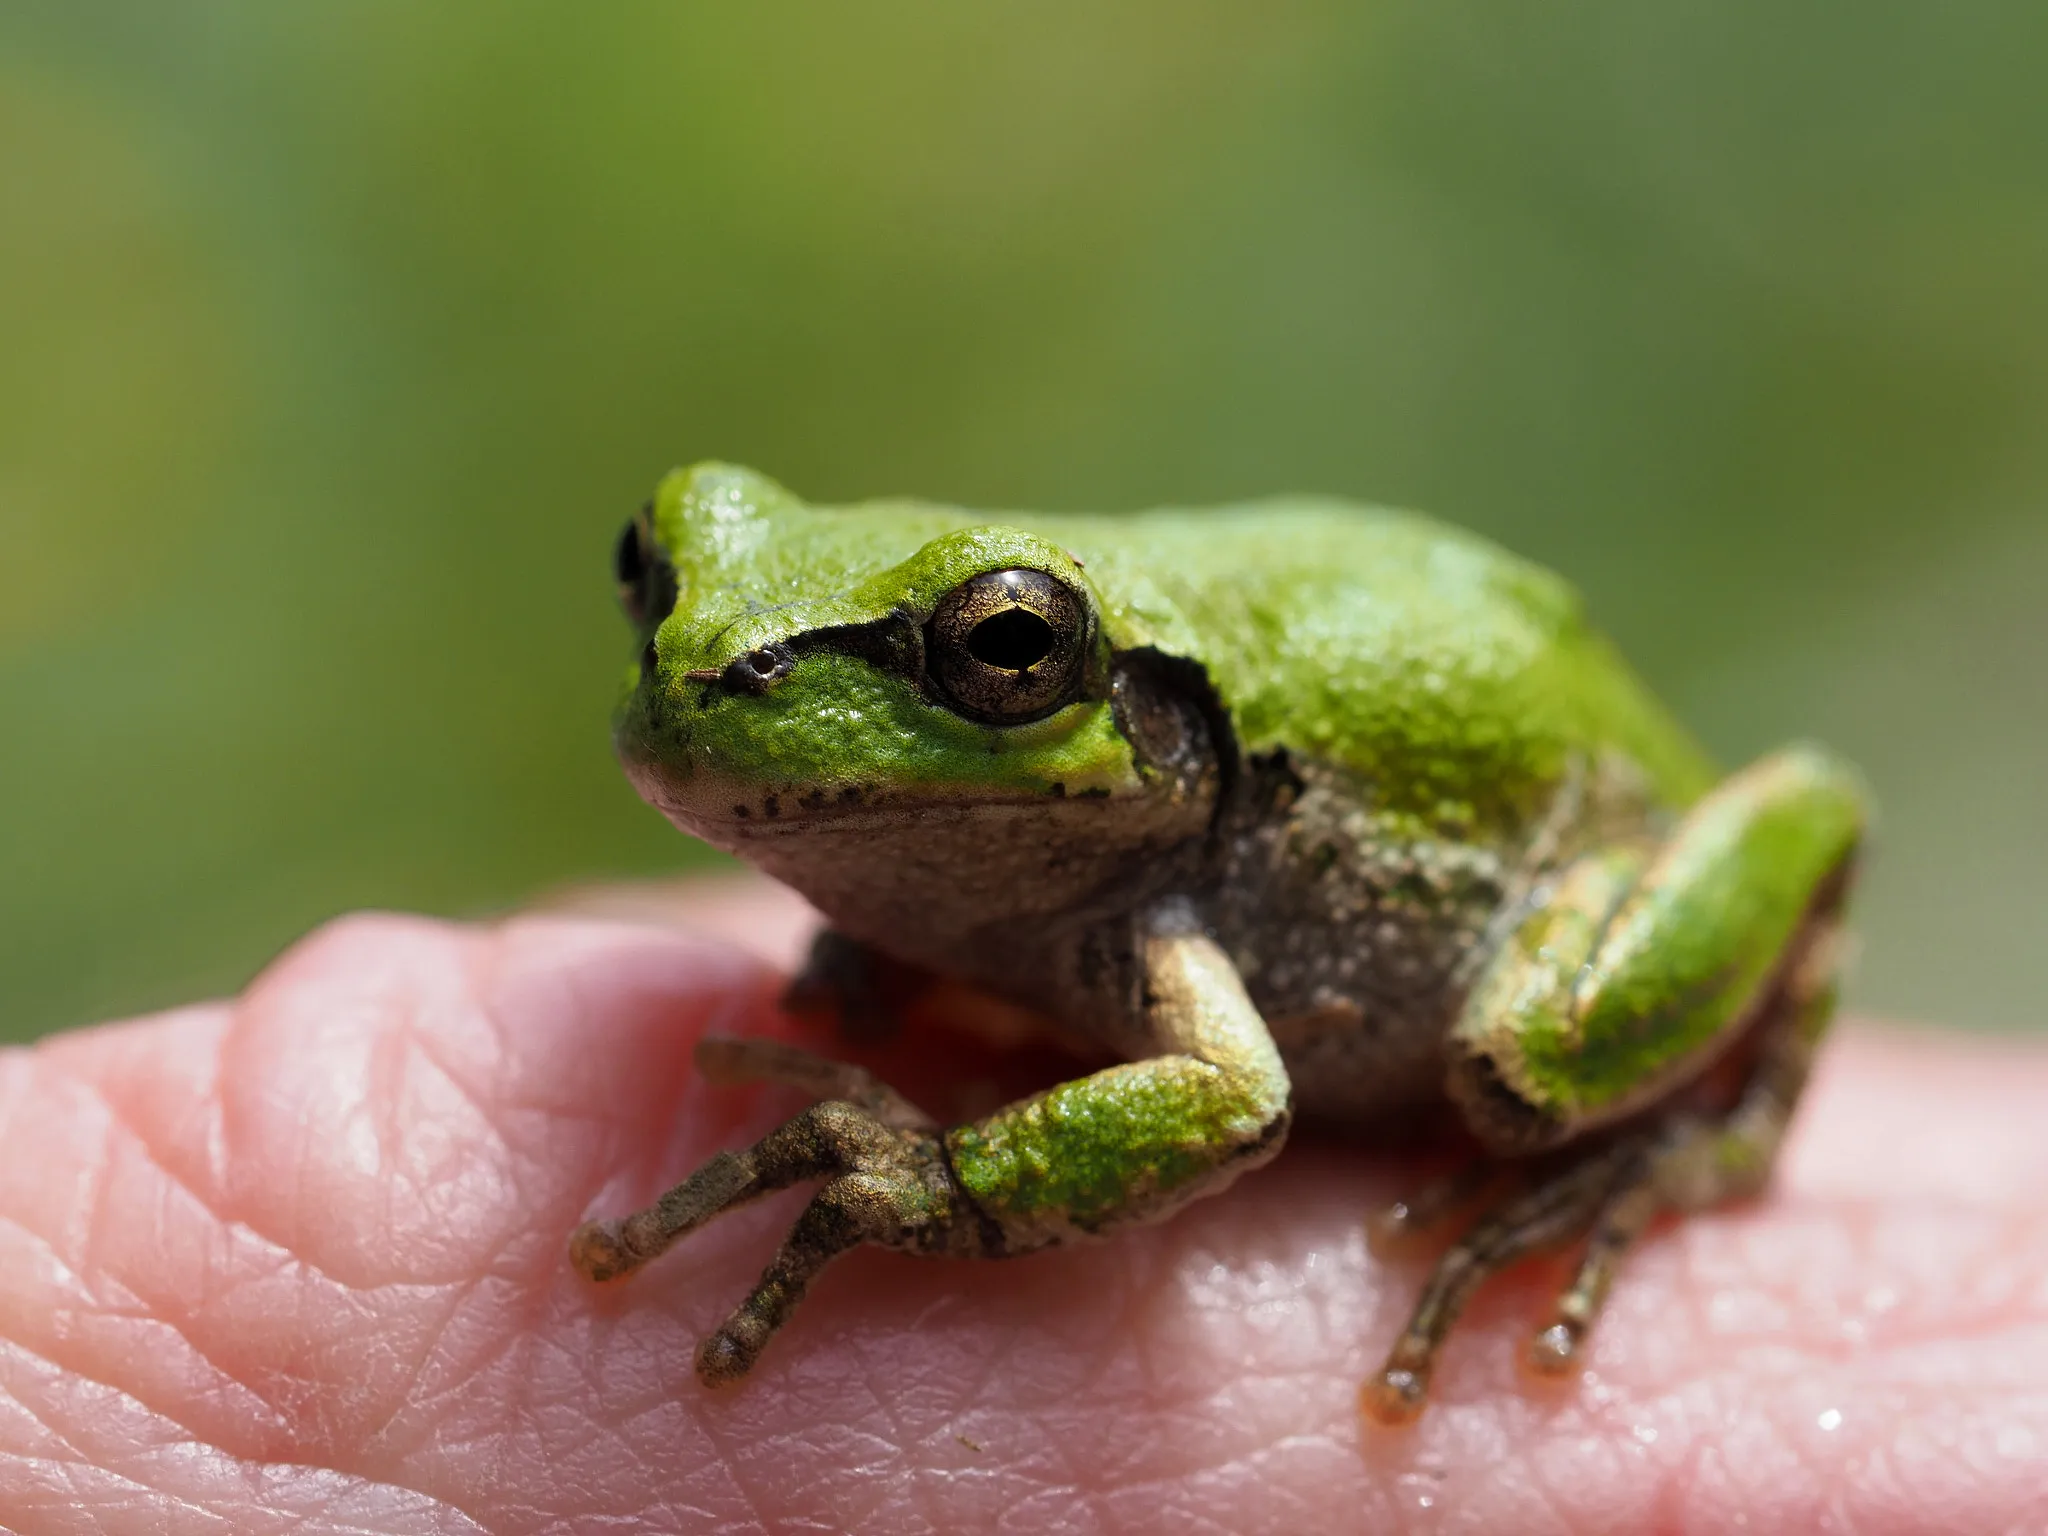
1352 1072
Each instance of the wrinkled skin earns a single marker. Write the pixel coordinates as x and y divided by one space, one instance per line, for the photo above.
294 1264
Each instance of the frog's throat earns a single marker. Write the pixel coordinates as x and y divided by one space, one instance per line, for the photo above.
926 878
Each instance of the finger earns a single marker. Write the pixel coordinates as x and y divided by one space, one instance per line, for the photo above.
1910 1116
304 1257
265 1258
764 919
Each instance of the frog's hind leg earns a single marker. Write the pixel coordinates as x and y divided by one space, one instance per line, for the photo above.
1694 1160
1608 1196
1609 1004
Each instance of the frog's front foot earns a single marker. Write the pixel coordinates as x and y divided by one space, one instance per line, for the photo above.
886 1182
1130 1143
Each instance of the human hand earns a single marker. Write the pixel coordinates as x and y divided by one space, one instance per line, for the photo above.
298 1263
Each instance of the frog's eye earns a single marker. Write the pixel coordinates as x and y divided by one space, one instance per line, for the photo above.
647 581
1008 646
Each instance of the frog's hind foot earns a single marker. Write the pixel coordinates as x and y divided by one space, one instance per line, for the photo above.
1641 1038
1552 1212
1607 1194
1406 1228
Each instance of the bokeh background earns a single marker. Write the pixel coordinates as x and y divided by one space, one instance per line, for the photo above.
336 340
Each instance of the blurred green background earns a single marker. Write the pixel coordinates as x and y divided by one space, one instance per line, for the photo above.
337 340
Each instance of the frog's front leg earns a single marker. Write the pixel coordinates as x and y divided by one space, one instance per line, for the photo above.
1645 965
1133 1142
852 985
868 996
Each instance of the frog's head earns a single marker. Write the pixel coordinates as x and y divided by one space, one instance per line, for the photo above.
854 697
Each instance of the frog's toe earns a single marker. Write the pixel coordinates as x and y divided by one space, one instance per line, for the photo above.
728 1061
1408 1227
730 1353
898 1201
596 1252
1395 1396
1554 1349
1604 1197
886 1182
1566 1203
1631 1203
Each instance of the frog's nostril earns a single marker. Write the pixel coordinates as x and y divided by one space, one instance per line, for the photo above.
759 670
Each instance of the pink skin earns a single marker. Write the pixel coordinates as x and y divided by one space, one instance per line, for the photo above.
296 1264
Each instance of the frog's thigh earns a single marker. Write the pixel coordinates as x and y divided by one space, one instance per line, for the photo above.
1647 962
1137 1141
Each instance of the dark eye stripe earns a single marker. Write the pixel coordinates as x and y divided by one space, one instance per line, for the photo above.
641 567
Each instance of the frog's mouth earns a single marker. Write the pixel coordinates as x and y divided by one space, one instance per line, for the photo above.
729 813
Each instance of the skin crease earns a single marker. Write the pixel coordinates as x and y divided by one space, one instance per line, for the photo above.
294 1263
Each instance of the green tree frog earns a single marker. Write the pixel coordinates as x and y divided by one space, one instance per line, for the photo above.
1299 808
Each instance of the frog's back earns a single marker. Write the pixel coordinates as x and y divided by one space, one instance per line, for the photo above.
1454 680
1423 722
1457 681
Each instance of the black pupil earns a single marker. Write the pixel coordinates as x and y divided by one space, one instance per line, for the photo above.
1014 639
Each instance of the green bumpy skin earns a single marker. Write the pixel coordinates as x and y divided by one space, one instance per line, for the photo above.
1088 1149
1457 679
1147 1136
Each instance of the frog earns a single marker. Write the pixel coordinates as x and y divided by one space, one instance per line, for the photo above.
1299 809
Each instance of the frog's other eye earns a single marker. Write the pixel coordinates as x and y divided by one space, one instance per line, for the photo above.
647 581
1008 646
